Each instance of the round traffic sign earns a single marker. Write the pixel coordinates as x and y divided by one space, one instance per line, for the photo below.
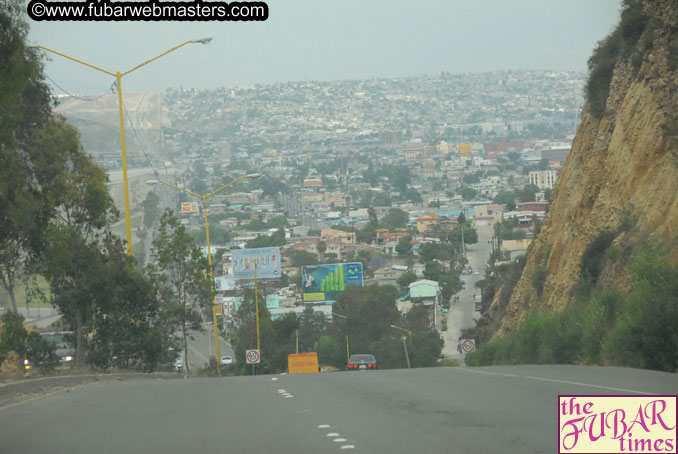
252 356
468 345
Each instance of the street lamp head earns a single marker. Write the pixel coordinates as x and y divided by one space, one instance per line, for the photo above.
253 176
205 40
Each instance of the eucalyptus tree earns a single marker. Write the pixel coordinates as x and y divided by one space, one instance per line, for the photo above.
24 108
181 273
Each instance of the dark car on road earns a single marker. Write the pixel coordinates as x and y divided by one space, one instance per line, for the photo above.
362 362
64 346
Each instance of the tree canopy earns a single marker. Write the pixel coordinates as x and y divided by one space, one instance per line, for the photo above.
395 219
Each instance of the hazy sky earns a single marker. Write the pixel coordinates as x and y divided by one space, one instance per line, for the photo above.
332 40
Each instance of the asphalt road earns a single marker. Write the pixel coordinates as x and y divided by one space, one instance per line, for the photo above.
509 409
462 314
202 347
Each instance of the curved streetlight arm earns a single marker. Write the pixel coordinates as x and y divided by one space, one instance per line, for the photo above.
252 176
77 61
198 41
156 57
402 329
181 189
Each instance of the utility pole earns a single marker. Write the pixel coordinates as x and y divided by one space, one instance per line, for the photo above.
463 244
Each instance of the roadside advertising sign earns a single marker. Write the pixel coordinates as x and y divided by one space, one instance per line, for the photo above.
268 263
322 284
189 207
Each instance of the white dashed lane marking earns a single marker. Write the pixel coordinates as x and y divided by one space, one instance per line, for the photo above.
334 435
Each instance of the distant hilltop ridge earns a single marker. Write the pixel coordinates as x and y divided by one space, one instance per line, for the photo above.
478 107
620 181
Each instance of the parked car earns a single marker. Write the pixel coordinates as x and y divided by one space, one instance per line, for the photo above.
226 360
178 364
362 362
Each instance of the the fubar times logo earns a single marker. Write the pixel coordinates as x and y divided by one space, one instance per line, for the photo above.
617 424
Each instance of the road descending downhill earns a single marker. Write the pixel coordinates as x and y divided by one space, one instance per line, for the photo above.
508 409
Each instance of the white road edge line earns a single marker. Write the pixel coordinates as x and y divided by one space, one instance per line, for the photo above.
592 386
557 381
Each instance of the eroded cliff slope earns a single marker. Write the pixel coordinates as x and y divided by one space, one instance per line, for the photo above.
622 173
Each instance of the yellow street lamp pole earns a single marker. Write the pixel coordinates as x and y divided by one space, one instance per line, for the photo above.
118 78
256 304
204 198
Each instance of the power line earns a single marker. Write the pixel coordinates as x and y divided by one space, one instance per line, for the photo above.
71 94
141 144
143 150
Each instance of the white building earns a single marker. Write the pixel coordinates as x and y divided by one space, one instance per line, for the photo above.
543 179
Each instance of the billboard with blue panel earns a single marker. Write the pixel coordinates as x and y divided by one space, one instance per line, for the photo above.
267 258
322 284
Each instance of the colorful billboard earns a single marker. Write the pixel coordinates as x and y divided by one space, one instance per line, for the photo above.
189 207
267 258
322 284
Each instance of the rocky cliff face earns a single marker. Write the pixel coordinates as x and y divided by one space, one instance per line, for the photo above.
623 166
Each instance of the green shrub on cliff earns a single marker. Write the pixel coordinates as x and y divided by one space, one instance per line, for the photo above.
619 43
602 325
